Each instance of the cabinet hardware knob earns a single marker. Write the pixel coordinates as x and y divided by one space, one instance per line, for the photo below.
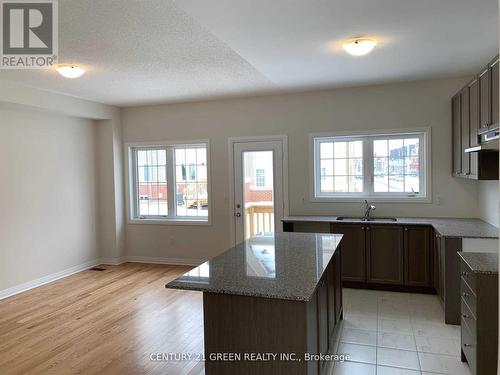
465 316
465 294
465 273
406 229
467 345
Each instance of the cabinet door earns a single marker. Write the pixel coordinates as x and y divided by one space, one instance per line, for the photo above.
352 250
331 279
457 135
465 130
473 126
494 92
440 250
338 288
484 100
323 334
384 254
417 246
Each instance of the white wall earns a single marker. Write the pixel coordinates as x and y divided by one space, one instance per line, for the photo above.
48 201
488 201
395 106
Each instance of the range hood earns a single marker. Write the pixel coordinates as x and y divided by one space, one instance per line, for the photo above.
488 142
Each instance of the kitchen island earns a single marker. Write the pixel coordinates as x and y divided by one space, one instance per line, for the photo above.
271 304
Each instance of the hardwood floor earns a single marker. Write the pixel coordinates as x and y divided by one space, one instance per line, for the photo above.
103 322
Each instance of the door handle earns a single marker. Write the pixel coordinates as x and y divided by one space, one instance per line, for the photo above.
237 214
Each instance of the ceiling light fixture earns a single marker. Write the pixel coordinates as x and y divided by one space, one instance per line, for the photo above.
359 47
70 70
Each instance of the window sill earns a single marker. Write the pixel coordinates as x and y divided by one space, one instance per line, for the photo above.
360 199
169 222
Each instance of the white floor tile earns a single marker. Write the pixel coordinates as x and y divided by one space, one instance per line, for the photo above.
397 358
437 345
396 340
392 325
441 364
360 322
358 336
354 368
359 353
383 370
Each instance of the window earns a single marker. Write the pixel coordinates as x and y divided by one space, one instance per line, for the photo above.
389 166
260 177
169 182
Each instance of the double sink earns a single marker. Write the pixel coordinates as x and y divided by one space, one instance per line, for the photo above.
361 218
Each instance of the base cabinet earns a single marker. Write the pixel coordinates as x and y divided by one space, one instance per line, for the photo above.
386 256
353 251
479 320
417 256
237 325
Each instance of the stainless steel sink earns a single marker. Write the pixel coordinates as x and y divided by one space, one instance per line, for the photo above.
359 218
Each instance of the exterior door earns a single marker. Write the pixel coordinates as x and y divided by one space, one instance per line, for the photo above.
258 188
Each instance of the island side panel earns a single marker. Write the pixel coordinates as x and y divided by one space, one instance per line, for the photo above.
240 324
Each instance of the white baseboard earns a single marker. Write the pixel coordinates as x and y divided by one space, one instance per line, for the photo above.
160 260
82 267
47 279
112 261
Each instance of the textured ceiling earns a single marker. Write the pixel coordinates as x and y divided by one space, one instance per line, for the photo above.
152 51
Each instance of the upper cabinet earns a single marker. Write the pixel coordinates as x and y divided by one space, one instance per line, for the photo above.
475 111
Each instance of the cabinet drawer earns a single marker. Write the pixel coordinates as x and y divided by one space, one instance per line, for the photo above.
469 348
468 297
468 276
469 320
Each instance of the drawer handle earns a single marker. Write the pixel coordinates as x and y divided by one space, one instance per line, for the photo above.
466 316
465 295
465 274
467 345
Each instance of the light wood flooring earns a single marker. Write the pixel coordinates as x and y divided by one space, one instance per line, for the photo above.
103 322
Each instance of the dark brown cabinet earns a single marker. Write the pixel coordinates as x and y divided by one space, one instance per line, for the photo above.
473 126
456 134
384 254
475 110
438 267
465 130
353 251
417 252
494 121
479 319
484 99
323 331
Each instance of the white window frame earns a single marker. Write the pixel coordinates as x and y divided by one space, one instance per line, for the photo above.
171 219
425 193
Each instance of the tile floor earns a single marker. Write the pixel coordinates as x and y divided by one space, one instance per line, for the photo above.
388 333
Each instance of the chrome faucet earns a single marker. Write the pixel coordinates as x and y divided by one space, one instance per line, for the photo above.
368 210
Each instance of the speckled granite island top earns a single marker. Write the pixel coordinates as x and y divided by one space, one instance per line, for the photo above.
447 227
285 266
481 262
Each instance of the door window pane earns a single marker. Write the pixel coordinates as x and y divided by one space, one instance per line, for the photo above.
258 193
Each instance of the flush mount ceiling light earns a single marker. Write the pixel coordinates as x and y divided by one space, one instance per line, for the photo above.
70 70
360 46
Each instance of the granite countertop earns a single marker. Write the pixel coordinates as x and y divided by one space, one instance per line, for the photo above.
284 266
447 227
481 262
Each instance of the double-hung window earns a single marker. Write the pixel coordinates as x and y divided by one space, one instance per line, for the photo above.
392 165
169 182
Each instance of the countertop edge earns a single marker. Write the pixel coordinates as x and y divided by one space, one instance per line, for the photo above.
463 256
400 221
